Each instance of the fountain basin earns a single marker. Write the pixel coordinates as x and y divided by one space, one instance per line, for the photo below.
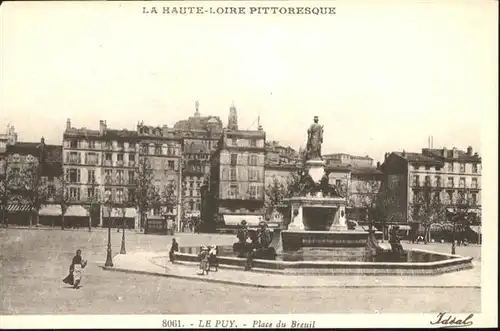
294 240
419 262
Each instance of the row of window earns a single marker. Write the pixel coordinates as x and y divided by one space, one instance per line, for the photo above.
253 142
450 182
253 174
251 159
450 196
451 167
254 192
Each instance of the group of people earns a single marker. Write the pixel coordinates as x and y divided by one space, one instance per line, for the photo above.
207 256
250 243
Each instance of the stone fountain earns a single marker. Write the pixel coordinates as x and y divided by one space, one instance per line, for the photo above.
317 209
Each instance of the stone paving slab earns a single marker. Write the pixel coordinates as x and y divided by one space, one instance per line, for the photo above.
147 263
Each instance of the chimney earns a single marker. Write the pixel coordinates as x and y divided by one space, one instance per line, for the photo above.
404 153
68 124
386 155
102 126
378 165
469 151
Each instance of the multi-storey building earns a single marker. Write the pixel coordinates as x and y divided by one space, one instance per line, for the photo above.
277 154
163 150
44 162
99 167
347 159
448 173
200 135
236 185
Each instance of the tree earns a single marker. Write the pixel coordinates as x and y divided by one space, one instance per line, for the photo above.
145 189
4 189
363 198
275 193
35 189
462 215
427 209
387 207
93 199
63 199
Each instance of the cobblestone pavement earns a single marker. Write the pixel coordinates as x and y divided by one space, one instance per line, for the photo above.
33 263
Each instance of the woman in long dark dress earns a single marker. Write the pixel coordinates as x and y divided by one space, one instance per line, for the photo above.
75 270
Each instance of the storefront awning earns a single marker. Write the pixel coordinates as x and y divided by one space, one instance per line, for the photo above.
402 227
476 228
235 220
76 211
118 213
18 208
194 213
50 210
470 210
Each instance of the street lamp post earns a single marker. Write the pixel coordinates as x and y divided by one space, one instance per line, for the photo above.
109 258
123 250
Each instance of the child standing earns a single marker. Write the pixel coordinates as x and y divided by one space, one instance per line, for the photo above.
204 255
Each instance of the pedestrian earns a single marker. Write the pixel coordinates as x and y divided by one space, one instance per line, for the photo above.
204 255
75 270
212 258
174 248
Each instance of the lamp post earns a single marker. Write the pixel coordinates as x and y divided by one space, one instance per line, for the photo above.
123 250
109 258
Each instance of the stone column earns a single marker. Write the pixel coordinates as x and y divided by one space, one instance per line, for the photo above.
297 222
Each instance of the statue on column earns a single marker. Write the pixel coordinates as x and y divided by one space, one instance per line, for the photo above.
314 140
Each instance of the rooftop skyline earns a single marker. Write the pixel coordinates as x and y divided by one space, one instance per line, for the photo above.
380 78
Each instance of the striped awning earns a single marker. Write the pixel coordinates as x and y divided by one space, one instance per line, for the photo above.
18 208
50 210
476 228
76 211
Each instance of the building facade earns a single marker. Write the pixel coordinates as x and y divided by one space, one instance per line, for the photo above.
450 174
32 173
348 159
236 183
200 136
163 151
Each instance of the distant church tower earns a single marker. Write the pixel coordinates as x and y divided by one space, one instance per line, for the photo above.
232 123
197 112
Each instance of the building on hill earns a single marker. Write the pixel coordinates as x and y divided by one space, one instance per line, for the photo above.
348 159
277 154
200 136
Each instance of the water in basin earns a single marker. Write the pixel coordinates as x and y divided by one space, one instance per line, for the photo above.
330 254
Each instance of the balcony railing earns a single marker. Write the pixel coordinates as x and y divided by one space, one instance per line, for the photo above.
450 185
119 163
107 147
91 162
131 163
108 163
73 161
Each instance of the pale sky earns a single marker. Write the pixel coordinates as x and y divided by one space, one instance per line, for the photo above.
381 75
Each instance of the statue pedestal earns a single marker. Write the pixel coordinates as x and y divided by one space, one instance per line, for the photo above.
339 222
316 169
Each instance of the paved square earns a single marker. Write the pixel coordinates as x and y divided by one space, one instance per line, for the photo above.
33 263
